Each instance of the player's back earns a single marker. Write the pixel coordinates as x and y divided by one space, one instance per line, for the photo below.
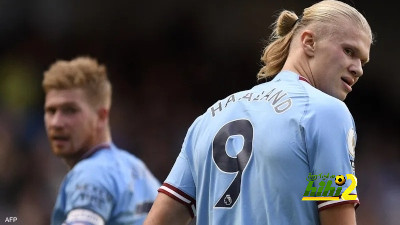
249 160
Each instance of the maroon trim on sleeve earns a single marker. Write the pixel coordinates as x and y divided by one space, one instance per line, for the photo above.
179 196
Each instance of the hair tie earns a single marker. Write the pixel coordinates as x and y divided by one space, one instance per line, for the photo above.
298 20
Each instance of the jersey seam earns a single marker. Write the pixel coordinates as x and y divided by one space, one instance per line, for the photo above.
306 110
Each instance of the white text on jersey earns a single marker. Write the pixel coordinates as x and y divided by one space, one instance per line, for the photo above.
274 97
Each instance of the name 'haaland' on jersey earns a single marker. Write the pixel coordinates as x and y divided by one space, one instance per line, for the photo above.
274 97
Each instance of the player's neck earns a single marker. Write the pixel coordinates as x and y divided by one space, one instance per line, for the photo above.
103 140
301 71
299 63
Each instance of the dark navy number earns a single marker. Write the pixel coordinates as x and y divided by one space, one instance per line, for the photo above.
230 164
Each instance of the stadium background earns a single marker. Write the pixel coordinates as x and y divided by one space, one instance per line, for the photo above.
168 61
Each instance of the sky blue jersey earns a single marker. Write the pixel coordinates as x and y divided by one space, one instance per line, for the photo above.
111 187
248 158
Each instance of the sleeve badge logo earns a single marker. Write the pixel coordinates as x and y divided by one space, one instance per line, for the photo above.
351 141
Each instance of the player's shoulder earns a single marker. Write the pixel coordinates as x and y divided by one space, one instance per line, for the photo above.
130 164
325 109
323 103
106 161
107 168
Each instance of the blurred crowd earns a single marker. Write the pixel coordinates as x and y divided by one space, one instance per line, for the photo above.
168 62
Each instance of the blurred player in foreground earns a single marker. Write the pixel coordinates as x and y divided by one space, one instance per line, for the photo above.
105 184
247 158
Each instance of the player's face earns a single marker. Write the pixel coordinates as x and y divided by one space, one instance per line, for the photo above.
70 122
339 59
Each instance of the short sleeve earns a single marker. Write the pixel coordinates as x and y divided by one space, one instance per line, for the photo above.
179 184
330 138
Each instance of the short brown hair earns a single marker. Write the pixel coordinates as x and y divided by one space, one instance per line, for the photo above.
81 72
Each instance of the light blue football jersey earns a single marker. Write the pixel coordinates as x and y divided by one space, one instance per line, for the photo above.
246 160
112 183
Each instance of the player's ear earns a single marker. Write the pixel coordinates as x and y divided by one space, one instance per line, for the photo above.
308 42
103 115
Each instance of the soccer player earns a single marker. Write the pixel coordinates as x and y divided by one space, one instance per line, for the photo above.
105 184
247 158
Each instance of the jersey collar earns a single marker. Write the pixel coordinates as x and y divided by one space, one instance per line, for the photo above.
96 148
304 79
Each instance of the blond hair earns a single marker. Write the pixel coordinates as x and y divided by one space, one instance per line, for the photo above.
81 72
288 24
